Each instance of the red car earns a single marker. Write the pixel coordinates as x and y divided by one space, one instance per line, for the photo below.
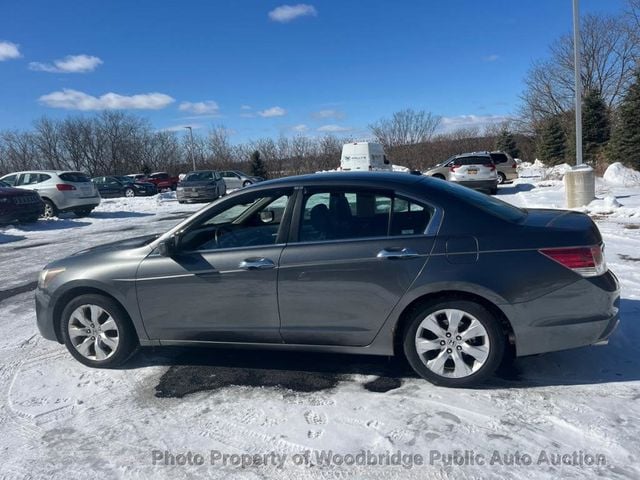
19 204
163 180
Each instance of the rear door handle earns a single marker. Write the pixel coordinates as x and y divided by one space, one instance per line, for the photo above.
397 253
256 263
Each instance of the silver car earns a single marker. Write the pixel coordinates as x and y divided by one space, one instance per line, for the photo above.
473 170
201 186
60 190
236 179
505 165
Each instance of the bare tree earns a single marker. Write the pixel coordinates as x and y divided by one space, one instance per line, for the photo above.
406 127
608 62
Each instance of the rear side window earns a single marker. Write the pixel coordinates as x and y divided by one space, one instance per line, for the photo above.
342 215
499 158
74 177
43 177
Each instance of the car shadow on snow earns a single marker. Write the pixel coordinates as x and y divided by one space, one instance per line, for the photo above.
196 369
53 224
119 214
510 189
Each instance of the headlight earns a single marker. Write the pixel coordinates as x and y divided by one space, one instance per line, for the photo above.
47 275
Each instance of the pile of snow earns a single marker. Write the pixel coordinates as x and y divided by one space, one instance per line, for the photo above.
621 176
166 197
400 168
602 206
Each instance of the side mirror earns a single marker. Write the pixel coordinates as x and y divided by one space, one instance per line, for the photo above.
168 247
267 216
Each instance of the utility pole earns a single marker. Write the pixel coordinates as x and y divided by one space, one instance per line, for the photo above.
578 80
193 158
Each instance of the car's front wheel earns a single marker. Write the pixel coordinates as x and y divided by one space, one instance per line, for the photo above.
456 343
97 331
50 209
129 192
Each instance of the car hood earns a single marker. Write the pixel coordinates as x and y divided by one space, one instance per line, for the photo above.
128 244
15 192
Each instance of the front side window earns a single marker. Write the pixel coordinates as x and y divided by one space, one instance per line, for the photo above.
335 215
250 221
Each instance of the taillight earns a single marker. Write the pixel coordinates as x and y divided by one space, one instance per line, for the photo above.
65 187
515 165
492 166
585 261
453 168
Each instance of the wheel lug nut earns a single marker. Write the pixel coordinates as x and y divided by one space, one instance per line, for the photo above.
458 347
442 342
458 337
88 330
448 334
448 350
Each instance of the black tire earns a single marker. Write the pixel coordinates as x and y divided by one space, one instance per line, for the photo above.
246 183
50 210
494 191
501 178
129 192
495 338
128 339
439 176
83 213
181 201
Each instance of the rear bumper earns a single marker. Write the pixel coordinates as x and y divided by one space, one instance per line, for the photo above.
478 184
584 313
69 204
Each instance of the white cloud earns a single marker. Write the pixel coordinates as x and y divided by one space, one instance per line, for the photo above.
245 107
334 129
450 124
273 112
491 58
208 107
287 13
9 51
69 64
328 113
75 100
300 128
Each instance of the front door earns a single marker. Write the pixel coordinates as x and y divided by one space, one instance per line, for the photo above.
221 284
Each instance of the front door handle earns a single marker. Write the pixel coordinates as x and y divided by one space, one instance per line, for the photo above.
256 263
397 253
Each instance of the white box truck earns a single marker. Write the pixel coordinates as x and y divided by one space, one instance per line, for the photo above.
364 156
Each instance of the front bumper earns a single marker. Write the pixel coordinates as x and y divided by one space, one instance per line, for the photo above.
44 316
197 196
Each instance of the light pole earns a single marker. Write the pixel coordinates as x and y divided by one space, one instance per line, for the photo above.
578 80
193 158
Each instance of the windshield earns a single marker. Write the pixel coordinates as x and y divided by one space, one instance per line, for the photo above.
198 176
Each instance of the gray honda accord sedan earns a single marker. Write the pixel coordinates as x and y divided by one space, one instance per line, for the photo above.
371 263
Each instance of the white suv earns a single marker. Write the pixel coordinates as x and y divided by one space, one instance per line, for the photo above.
60 190
473 170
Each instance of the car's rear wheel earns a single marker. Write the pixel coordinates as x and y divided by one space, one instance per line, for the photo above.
454 343
246 183
129 192
501 178
97 331
50 209
438 175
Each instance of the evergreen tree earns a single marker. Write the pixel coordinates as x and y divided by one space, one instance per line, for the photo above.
595 125
625 141
258 168
507 143
552 142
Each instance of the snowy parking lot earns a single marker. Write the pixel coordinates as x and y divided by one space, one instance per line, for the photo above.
221 413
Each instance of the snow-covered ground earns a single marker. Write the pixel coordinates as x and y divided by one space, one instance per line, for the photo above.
59 419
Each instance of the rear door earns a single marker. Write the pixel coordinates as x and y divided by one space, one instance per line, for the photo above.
353 253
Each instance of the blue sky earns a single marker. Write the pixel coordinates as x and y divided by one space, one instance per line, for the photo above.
261 68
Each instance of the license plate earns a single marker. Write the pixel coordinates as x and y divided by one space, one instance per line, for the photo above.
472 172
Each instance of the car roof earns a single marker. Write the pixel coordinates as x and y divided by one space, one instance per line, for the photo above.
381 179
57 172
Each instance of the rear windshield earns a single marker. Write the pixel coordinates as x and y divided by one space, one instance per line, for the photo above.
473 161
488 203
75 177
198 176
160 175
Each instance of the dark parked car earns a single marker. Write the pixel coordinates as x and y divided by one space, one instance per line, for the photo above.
119 186
370 263
201 186
18 204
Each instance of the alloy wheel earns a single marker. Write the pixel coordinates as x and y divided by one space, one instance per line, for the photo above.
93 332
452 343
